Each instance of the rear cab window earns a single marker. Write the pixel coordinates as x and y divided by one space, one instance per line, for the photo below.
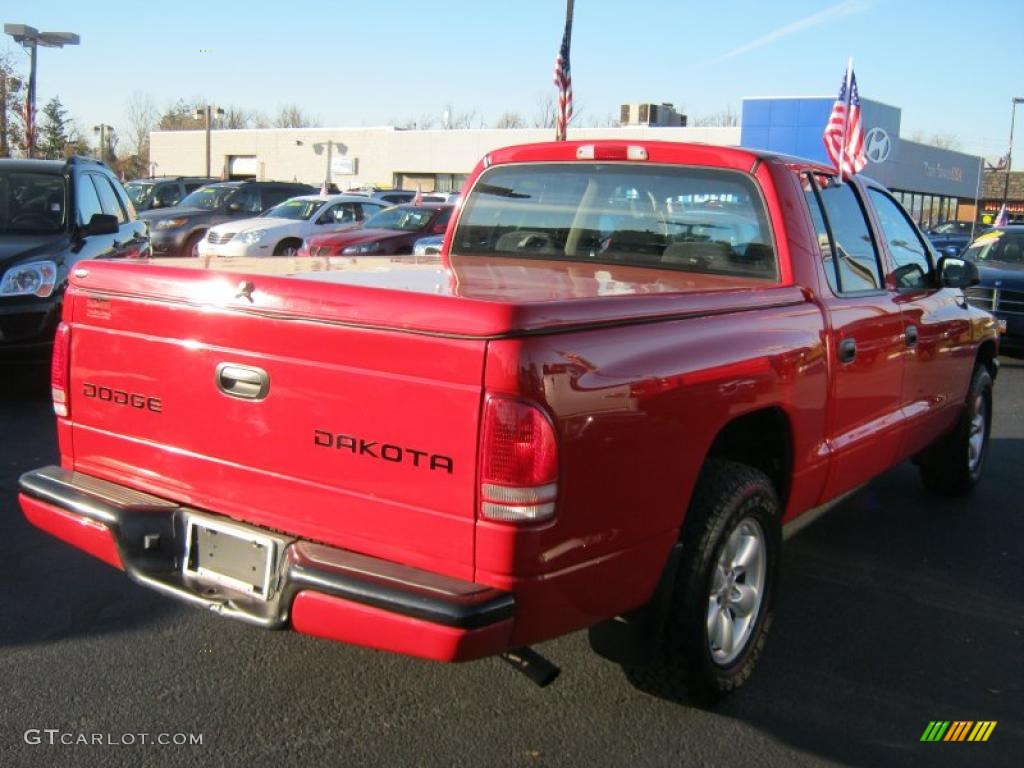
683 218
848 250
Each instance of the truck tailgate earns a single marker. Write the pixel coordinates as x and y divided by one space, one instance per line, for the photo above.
365 438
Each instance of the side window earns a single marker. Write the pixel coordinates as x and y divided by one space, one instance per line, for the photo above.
126 202
168 194
444 218
274 195
844 237
908 251
370 209
1008 249
108 198
87 202
248 201
339 213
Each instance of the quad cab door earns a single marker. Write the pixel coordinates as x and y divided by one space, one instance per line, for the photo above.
936 327
865 337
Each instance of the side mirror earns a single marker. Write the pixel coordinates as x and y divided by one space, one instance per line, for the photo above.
439 229
909 277
234 207
955 272
102 224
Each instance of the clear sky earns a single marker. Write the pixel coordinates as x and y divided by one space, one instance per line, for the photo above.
952 67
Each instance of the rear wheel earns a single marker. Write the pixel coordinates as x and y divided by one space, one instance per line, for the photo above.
722 602
952 466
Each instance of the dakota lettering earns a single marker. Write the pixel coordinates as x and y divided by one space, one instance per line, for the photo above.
374 449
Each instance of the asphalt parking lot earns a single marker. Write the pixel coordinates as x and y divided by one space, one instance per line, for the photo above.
895 610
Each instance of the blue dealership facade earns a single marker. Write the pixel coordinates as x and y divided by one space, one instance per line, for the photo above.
934 184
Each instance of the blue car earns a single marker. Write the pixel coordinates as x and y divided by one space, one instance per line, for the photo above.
951 237
999 254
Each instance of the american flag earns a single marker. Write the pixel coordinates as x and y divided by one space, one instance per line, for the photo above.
1002 218
844 137
563 79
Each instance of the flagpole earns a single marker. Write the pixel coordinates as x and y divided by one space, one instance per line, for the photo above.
561 119
977 198
846 118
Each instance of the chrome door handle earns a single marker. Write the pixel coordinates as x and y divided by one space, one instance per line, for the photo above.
847 350
244 381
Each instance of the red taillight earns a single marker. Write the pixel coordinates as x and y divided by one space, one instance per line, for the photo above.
519 462
60 369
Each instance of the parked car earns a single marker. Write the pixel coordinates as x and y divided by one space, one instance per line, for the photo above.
162 192
392 196
428 246
53 214
950 237
177 231
439 197
392 231
280 230
999 255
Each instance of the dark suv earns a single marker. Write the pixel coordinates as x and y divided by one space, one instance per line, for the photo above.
53 214
162 192
177 231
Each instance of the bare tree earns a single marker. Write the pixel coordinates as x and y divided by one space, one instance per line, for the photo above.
547 109
510 120
236 118
290 116
12 91
940 140
453 119
142 116
724 118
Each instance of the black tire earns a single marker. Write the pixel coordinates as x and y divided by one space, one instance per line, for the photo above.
287 247
729 496
953 465
191 247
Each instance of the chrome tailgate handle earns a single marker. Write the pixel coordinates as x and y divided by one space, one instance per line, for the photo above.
244 381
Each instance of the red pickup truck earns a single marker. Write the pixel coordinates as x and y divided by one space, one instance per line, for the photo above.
632 366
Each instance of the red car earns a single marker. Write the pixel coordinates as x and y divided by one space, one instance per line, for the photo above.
392 231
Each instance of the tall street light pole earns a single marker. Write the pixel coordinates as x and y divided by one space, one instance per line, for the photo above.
209 111
104 131
31 38
1009 150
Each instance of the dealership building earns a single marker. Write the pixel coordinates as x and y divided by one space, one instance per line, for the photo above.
934 184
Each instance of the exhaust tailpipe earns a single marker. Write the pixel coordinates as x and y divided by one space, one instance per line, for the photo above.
533 665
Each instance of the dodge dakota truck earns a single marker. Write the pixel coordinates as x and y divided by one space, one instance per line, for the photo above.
630 367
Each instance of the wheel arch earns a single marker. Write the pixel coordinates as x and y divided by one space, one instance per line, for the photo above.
987 357
762 439
289 240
